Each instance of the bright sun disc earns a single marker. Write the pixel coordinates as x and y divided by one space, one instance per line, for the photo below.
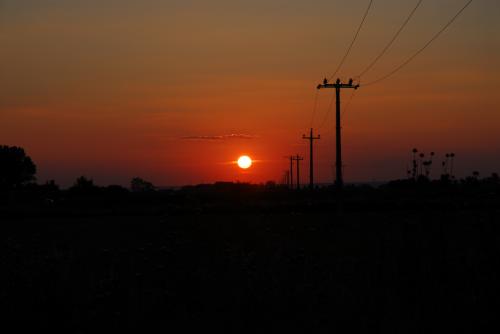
244 162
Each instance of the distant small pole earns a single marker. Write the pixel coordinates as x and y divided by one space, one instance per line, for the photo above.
311 138
298 159
291 172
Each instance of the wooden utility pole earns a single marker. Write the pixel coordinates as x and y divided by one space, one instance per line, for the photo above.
291 172
311 138
298 159
338 85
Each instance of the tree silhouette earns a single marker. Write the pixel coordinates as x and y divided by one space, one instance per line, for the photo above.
494 178
16 168
84 186
139 185
83 183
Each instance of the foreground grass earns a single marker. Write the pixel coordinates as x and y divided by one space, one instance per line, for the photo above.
383 271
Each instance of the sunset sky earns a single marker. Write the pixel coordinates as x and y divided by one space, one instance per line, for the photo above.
174 91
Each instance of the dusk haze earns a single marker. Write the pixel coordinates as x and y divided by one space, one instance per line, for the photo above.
114 89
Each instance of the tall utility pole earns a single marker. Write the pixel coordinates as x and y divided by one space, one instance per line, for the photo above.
291 172
298 159
338 85
311 138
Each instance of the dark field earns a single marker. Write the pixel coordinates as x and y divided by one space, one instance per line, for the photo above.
389 268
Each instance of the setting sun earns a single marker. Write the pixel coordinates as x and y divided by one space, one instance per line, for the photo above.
244 162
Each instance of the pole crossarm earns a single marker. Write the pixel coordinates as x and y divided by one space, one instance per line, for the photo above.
338 84
310 137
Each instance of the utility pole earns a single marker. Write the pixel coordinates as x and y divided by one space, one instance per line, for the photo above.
338 85
311 138
291 172
298 159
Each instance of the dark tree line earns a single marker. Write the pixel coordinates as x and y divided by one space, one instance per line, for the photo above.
17 170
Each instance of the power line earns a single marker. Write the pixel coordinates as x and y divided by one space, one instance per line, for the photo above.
386 48
353 40
346 109
397 69
325 118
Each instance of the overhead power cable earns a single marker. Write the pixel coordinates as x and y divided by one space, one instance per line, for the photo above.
393 39
346 109
406 62
353 40
328 111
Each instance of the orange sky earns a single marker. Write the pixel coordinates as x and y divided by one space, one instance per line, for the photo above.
111 89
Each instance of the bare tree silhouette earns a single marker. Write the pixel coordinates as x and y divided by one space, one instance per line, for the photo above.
415 166
421 164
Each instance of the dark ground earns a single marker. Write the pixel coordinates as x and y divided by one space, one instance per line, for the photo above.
385 264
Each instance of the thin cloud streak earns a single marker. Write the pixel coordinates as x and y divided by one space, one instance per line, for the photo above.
221 137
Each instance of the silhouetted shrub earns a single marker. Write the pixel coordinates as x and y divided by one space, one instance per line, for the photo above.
84 186
139 185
